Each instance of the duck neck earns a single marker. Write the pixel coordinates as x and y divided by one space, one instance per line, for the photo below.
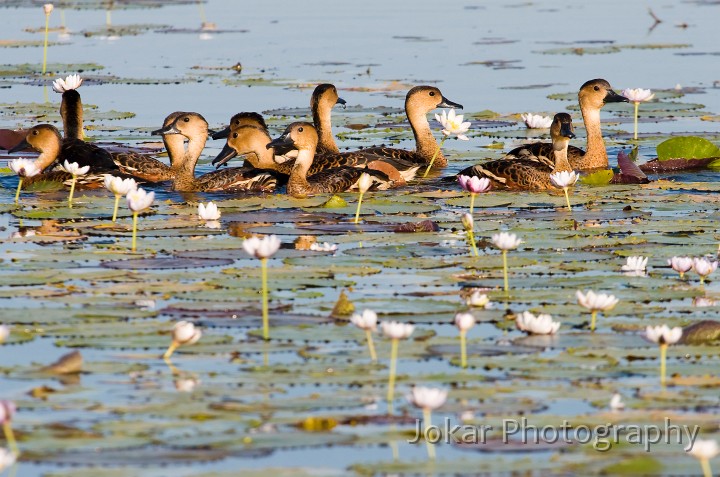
71 112
595 154
560 149
323 124
257 154
185 178
175 147
425 143
48 155
297 183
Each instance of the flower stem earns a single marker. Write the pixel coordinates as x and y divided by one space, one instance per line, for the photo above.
471 239
705 464
371 345
567 199
427 422
391 378
115 209
17 192
171 349
702 279
134 231
72 191
637 105
45 44
432 161
463 349
10 438
357 212
506 286
593 316
663 356
265 317
472 202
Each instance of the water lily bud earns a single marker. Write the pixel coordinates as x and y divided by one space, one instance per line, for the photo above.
365 321
185 333
396 330
464 321
468 222
48 8
427 398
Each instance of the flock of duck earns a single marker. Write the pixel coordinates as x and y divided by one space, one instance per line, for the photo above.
305 156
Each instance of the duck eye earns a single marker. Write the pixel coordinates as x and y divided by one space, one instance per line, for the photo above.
596 88
300 129
234 135
35 133
432 93
186 119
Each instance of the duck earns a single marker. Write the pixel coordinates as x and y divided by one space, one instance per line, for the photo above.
530 173
244 118
194 128
250 141
419 101
46 139
592 96
304 137
323 98
148 169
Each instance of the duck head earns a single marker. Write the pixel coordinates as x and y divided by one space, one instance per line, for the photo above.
595 93
190 125
426 98
45 139
243 140
562 126
240 120
300 135
325 95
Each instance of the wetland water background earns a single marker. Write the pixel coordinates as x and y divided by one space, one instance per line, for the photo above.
498 60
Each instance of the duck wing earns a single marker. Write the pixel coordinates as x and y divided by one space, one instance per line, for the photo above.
518 174
86 154
143 167
542 152
236 179
342 179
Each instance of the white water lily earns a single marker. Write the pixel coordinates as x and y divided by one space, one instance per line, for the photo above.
262 248
541 324
427 398
468 222
396 330
616 402
209 211
365 182
705 449
323 247
681 265
536 121
638 95
75 169
69 83
453 124
118 185
7 459
663 334
48 8
464 321
596 301
186 385
635 265
139 199
4 333
186 333
506 241
478 300
365 321
24 167
564 179
703 267
703 301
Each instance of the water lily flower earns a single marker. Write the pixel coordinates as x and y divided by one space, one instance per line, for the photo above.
75 170
395 331
637 96
184 333
119 187
464 321
186 385
635 265
541 324
47 9
596 302
323 247
703 301
536 121
7 458
704 450
681 265
663 336
469 224
363 184
475 185
564 180
137 201
209 211
70 82
367 321
616 402
453 125
263 249
7 412
4 333
427 399
703 267
23 168
478 300
505 241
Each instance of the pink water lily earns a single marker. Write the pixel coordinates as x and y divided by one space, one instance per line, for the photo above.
637 96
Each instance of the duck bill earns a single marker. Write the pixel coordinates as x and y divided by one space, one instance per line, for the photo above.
446 103
342 102
21 146
283 142
223 134
566 130
225 155
169 129
613 97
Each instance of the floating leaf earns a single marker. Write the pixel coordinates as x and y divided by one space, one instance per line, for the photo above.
688 147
